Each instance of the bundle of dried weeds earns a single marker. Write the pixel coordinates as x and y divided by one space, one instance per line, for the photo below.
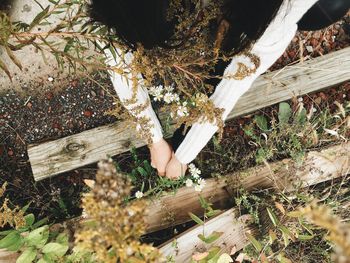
338 232
113 228
12 217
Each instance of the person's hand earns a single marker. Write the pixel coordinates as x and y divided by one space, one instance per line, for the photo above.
175 169
161 153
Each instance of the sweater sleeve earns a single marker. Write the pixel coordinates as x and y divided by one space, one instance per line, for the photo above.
269 47
124 91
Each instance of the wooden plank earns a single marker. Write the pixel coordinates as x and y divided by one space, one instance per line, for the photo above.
7 256
328 164
320 166
232 226
72 152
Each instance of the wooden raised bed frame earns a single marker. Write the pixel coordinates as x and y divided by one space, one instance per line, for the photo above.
68 153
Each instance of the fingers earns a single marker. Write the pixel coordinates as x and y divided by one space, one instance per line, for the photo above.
162 174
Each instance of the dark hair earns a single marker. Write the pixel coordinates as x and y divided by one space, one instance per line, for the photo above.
135 21
5 5
145 21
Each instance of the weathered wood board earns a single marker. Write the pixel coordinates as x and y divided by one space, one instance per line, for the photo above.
51 158
318 167
233 237
328 164
7 256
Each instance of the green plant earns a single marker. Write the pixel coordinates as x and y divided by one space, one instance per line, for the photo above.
291 133
249 203
213 254
145 178
35 242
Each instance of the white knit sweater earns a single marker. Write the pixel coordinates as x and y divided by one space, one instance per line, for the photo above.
269 47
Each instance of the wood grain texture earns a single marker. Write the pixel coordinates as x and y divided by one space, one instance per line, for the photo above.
171 210
320 166
232 227
7 256
51 158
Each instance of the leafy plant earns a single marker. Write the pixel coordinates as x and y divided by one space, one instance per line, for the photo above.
212 255
292 132
35 242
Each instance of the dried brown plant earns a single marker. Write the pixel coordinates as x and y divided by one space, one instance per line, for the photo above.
113 228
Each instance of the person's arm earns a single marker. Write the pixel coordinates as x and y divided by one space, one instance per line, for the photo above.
268 48
123 86
160 150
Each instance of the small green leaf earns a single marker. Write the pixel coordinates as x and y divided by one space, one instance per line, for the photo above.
212 213
148 167
62 238
30 218
261 121
305 237
300 117
284 113
38 237
272 216
142 171
40 222
272 236
287 232
27 256
211 238
283 259
225 258
254 242
295 214
16 246
55 249
204 203
5 232
196 219
285 238
12 238
214 254
13 57
39 17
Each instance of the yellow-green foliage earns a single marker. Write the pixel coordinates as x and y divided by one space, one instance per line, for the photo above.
113 228
338 232
13 217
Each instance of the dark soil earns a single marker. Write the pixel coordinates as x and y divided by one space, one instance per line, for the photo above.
81 105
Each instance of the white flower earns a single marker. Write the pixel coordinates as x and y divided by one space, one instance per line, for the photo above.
198 188
84 214
138 194
158 97
201 182
189 182
169 88
191 166
168 97
156 92
300 99
182 111
50 79
200 185
195 172
176 97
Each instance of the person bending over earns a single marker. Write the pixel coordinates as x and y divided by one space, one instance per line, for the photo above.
256 33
